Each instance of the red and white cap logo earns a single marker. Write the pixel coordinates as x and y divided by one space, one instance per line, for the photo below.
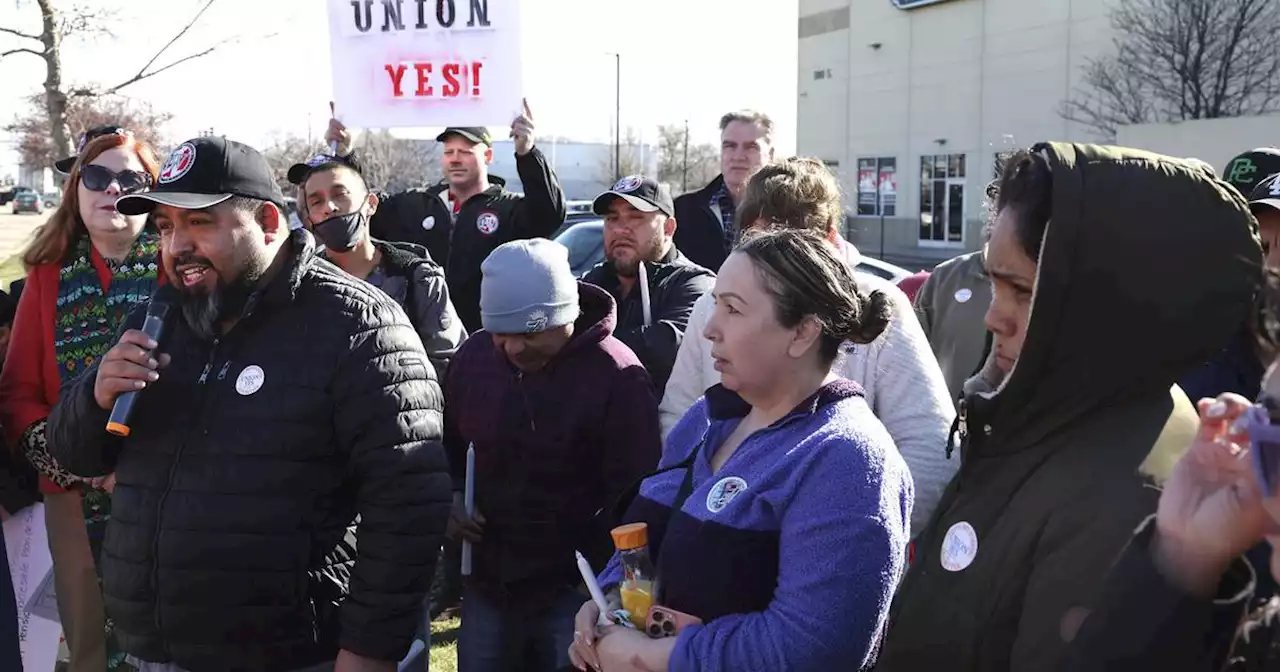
628 184
179 163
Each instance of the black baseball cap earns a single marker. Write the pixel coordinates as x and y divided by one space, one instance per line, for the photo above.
65 165
643 193
477 134
204 172
1247 170
299 172
1266 194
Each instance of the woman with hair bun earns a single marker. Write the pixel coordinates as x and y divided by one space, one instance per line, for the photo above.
897 371
779 513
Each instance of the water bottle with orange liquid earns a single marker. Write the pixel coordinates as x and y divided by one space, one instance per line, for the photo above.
639 581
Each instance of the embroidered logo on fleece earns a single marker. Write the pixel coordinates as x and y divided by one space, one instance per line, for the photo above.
723 492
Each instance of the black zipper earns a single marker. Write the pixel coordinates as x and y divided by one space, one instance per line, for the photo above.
164 494
528 408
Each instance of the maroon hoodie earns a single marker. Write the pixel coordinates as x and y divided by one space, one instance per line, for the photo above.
554 450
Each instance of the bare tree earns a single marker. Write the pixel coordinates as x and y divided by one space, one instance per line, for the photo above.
35 146
82 21
629 163
395 164
286 150
388 163
1182 59
684 165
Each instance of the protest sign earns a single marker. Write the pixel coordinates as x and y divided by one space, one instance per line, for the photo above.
403 63
27 544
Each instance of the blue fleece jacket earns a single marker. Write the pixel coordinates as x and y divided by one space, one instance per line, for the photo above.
791 552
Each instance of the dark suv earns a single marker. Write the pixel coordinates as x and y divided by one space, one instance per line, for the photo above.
27 200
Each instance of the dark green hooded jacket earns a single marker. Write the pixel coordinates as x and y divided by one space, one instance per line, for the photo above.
1149 265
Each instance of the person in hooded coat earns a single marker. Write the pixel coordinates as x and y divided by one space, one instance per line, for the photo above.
1113 271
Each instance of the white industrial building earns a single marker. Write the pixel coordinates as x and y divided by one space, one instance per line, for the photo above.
584 168
910 101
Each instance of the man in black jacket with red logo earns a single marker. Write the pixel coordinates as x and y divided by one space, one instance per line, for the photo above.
464 217
638 225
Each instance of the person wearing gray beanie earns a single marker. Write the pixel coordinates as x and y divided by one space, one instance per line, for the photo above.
563 419
527 287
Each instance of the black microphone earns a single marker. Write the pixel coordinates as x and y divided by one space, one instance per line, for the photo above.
153 327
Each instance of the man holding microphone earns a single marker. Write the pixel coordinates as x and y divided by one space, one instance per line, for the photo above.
283 399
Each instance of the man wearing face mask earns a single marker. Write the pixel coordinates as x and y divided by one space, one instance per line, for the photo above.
337 205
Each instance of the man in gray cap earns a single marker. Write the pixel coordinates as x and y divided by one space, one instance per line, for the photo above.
563 419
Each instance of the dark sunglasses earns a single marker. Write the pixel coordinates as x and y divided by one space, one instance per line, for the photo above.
97 178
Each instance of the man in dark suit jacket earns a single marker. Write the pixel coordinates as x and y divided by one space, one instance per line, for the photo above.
707 229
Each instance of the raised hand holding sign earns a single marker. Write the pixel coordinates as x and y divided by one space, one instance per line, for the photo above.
522 129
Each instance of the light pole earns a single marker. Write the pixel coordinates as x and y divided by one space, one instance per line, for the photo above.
684 188
617 115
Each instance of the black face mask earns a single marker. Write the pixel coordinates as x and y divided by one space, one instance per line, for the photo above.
341 233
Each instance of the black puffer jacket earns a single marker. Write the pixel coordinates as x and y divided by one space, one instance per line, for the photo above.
417 283
675 283
485 221
247 460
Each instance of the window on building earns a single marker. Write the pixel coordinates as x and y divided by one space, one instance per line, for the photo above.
997 164
942 199
878 187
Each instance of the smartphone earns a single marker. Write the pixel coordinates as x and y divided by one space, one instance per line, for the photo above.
664 622
1264 447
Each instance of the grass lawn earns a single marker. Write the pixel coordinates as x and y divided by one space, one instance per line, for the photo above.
10 270
444 644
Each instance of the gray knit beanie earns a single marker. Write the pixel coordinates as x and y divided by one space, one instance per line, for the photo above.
527 286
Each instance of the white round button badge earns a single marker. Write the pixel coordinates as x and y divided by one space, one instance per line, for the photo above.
963 295
250 380
959 547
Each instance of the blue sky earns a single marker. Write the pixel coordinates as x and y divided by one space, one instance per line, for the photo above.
681 59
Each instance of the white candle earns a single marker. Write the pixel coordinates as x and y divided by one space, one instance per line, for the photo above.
469 501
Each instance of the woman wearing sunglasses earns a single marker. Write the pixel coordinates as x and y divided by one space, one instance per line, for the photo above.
87 267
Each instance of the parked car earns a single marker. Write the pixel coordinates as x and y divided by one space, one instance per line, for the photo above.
52 199
578 207
884 269
585 240
27 200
